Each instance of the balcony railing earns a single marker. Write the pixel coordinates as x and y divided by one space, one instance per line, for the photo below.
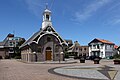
95 49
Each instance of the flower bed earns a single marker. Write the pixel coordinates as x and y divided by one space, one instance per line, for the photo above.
116 61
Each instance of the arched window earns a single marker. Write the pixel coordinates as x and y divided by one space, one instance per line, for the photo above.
48 48
47 17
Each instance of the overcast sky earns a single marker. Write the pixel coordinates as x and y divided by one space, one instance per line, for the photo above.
78 20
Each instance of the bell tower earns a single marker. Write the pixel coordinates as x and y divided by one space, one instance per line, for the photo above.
46 18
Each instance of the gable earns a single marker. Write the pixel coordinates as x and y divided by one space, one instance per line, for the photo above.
49 30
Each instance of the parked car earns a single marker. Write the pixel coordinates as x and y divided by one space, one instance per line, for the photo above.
93 57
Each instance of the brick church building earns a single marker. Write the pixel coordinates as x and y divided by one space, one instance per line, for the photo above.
46 44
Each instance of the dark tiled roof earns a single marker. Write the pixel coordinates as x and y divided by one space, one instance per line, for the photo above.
37 34
31 39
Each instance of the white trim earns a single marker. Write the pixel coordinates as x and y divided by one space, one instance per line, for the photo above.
1 46
46 34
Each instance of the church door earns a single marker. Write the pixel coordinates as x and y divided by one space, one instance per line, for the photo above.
48 53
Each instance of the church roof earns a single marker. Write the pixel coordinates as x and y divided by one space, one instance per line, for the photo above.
46 10
30 39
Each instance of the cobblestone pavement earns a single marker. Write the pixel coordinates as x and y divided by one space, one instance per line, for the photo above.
15 70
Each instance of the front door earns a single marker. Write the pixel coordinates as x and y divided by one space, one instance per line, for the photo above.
48 55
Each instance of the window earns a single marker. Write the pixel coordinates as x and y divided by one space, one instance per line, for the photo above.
11 49
16 39
10 38
94 47
105 46
48 48
80 49
10 44
111 46
90 46
84 49
98 47
76 48
101 54
101 46
47 17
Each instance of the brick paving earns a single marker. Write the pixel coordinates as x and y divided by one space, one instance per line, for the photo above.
15 70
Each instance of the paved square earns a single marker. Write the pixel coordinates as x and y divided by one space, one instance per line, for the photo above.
15 70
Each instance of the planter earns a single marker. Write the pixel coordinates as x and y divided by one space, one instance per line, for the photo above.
82 60
96 61
116 61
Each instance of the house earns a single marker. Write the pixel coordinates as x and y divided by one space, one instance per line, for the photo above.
74 49
7 46
44 45
84 51
118 49
102 48
78 50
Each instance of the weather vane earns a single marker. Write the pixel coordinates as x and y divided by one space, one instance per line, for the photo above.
46 5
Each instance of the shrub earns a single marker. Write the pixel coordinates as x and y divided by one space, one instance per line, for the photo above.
7 57
17 57
66 56
116 56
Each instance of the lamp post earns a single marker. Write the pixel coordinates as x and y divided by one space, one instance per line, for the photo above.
35 56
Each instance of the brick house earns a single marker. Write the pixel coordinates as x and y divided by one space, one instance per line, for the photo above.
8 44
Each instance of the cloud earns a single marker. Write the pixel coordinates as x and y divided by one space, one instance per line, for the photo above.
114 6
116 21
35 6
90 10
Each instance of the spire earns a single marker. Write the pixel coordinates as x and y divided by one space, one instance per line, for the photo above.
46 17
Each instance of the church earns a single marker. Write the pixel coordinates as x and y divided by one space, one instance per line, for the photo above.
44 45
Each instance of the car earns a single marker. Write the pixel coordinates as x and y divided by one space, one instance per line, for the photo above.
93 57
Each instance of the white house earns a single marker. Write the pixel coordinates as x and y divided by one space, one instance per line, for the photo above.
101 48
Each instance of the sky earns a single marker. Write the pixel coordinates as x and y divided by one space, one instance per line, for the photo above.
77 20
